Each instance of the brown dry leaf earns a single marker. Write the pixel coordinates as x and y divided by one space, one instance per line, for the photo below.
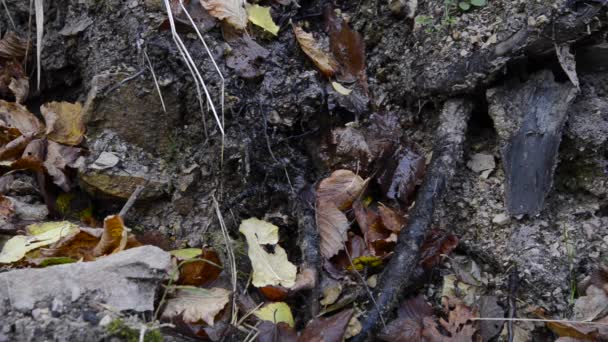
64 122
436 245
270 332
391 219
231 11
12 46
79 245
32 157
20 87
322 59
341 188
7 210
331 329
114 238
200 272
346 148
196 304
58 157
459 326
332 225
274 293
348 48
14 115
400 175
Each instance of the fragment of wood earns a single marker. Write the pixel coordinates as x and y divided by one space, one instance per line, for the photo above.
131 200
309 245
447 153
529 118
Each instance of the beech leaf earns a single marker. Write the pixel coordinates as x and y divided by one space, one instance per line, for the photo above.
331 329
268 268
64 122
276 313
196 304
333 226
322 59
16 116
342 187
231 11
260 16
16 248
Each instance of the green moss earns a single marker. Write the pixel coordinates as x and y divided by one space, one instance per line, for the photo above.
119 329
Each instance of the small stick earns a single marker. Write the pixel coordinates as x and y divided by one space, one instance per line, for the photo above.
131 200
513 283
447 152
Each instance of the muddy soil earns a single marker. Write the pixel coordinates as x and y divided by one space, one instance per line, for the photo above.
279 109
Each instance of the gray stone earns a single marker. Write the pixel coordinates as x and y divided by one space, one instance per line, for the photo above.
481 162
501 219
125 281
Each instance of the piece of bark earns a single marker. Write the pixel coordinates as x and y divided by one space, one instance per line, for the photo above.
447 153
529 118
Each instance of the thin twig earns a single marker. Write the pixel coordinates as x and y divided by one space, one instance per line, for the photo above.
131 200
8 14
160 94
231 259
564 321
122 82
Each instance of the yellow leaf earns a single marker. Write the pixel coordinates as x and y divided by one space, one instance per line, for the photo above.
186 253
341 89
16 248
276 313
114 236
260 15
268 268
64 122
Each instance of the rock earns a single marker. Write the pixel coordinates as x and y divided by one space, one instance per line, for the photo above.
481 162
133 111
29 212
501 219
136 167
126 281
105 160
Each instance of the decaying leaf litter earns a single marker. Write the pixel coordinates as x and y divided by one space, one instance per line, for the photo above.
368 184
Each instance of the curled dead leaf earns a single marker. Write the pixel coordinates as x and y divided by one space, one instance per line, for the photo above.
330 329
14 115
196 304
12 46
114 238
322 59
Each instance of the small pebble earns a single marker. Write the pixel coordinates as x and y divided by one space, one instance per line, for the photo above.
501 219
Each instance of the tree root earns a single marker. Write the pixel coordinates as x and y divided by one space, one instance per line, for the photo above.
447 152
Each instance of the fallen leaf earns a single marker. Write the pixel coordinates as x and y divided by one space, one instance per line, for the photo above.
205 268
64 122
459 325
7 211
408 325
50 261
330 329
275 313
348 48
341 188
436 245
231 11
186 253
114 236
196 304
15 147
332 225
391 219
401 174
341 89
346 148
58 157
591 306
280 332
260 16
268 268
14 115
331 291
274 293
20 87
321 58
12 46
16 248
78 245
